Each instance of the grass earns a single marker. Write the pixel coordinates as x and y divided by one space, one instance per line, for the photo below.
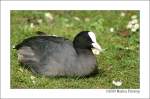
119 61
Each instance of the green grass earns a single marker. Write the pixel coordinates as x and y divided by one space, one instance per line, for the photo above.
119 61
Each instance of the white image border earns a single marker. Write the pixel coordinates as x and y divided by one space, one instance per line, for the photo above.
6 6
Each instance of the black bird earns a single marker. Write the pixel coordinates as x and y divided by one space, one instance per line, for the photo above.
58 56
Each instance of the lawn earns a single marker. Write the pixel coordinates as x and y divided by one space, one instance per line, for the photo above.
118 65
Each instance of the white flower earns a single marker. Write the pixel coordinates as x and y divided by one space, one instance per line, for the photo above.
127 48
134 21
77 18
32 77
33 81
39 21
111 29
117 83
49 16
136 26
134 17
133 25
32 25
129 26
122 14
133 30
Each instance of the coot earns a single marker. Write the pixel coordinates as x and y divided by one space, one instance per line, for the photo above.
58 56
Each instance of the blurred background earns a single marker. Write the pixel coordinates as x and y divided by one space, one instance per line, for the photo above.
117 32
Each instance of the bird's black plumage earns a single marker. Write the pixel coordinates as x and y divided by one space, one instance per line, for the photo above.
58 56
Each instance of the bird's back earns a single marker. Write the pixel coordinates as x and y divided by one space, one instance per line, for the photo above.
46 54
